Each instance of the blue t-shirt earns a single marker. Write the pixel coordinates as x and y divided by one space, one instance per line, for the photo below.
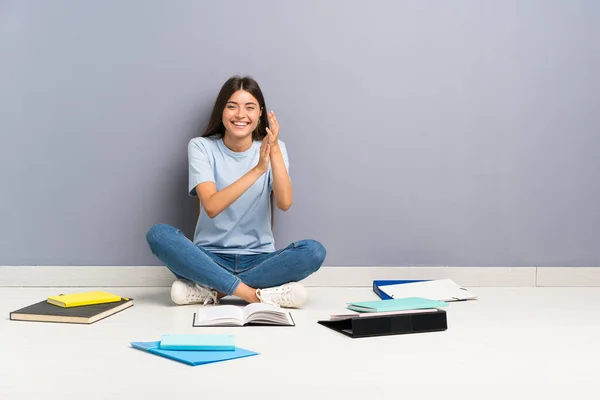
245 226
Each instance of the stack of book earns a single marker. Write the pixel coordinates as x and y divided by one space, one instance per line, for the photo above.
195 349
390 317
406 306
75 308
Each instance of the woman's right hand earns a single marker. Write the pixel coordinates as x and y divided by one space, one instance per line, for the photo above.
263 161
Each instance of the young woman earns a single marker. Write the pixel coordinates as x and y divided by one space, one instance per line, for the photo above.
234 167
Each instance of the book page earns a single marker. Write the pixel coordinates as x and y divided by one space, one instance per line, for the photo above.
266 313
375 314
219 314
259 307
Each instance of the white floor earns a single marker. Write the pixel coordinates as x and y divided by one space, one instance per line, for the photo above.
520 342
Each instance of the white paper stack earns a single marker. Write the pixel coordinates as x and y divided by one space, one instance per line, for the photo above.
442 290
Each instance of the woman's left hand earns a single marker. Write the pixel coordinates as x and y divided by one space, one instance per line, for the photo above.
273 132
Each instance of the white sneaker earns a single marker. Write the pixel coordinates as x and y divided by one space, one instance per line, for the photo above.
291 295
186 292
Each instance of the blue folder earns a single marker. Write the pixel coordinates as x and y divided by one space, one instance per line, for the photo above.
212 342
378 284
193 357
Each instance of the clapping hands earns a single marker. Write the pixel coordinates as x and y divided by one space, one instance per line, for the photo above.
269 142
273 132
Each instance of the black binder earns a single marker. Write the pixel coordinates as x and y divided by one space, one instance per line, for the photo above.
391 324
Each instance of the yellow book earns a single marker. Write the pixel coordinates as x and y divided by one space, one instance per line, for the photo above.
83 299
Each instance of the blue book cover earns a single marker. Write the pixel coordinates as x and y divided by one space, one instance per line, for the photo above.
210 342
193 357
378 286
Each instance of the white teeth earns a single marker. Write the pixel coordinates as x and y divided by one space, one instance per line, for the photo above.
240 123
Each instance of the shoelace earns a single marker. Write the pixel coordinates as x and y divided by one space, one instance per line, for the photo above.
198 292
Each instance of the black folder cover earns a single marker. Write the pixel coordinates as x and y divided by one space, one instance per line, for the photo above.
380 325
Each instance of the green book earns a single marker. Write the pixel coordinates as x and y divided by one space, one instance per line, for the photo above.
408 303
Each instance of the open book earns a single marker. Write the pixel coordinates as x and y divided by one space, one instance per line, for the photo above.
252 314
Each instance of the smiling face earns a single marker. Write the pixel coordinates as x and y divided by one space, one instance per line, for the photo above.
241 115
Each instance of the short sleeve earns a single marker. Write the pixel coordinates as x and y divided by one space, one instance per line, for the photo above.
200 167
286 161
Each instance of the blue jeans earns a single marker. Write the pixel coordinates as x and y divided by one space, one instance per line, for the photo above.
224 272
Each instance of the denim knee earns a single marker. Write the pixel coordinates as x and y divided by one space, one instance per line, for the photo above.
316 252
158 231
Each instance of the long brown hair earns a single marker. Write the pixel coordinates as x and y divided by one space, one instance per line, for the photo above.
215 125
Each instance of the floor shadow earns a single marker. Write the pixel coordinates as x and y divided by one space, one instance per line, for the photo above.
158 297
234 301
161 296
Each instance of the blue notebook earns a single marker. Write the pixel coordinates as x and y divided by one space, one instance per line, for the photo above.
210 342
408 303
193 357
